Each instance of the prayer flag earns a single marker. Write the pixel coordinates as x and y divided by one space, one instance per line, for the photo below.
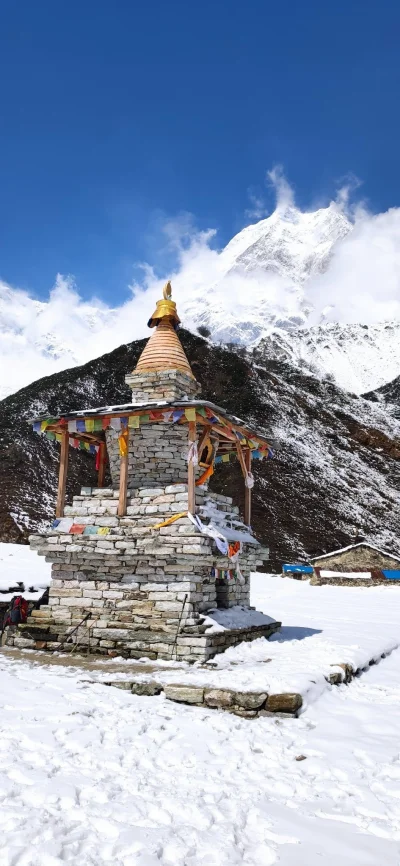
225 458
123 445
76 529
89 425
103 530
144 419
134 422
105 422
190 413
90 530
177 415
72 426
98 424
43 425
124 422
37 426
51 436
115 423
64 524
80 425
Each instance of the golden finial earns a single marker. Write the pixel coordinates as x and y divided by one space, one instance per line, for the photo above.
167 291
165 308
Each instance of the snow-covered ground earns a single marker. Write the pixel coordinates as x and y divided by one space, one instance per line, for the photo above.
91 776
323 626
20 565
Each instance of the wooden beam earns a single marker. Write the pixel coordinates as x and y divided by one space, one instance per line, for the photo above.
62 475
191 471
247 490
102 464
123 475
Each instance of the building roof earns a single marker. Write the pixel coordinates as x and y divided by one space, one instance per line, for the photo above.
354 547
214 414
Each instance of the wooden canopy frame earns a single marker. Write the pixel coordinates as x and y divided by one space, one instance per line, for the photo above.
227 436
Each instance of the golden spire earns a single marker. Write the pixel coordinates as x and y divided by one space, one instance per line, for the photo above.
166 307
164 350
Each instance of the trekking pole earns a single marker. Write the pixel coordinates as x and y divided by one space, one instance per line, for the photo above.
74 630
174 647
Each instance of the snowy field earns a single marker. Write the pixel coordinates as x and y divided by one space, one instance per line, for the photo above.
20 564
91 776
323 626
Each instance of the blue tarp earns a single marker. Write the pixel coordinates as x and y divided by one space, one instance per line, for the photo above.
299 569
391 574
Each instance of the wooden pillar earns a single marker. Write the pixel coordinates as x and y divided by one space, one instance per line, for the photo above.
102 464
191 472
247 490
62 475
123 474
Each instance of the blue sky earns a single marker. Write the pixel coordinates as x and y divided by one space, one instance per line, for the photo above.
118 115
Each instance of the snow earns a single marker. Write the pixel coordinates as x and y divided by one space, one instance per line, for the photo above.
19 564
323 627
235 617
342 575
91 775
359 357
257 289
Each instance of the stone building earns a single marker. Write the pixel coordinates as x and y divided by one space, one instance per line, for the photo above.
360 563
146 566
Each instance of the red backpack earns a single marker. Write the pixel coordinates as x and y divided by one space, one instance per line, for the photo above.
19 610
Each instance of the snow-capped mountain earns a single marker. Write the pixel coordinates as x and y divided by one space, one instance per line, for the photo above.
33 341
264 272
359 358
271 290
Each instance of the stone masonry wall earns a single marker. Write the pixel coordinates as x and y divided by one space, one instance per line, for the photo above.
144 589
157 455
165 385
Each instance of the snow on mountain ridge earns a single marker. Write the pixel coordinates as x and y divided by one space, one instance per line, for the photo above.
255 293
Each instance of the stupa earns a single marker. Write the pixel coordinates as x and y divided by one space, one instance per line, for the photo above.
155 565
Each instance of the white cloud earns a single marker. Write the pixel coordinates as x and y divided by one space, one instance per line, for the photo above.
360 284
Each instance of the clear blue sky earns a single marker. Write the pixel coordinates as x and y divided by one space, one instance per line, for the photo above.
117 112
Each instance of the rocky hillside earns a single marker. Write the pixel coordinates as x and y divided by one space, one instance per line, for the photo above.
337 456
357 357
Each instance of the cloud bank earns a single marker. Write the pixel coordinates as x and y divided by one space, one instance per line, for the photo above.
360 284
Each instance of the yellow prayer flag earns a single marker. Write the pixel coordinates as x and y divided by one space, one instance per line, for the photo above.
103 530
43 425
133 421
123 444
190 413
225 458
89 425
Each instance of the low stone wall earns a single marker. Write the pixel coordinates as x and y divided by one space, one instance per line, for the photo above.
339 581
248 705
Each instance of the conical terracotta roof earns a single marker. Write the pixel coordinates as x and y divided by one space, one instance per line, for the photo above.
164 349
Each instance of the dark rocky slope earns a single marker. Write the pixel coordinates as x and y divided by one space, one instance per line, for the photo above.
337 456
